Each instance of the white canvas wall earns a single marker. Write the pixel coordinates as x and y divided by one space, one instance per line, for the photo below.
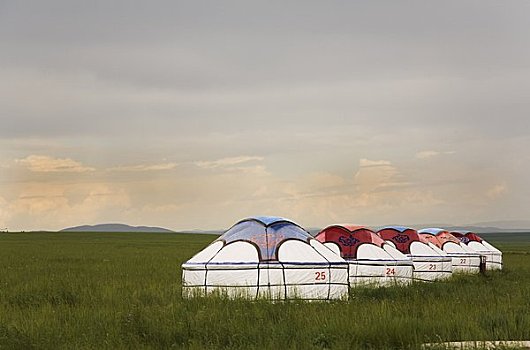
429 264
303 270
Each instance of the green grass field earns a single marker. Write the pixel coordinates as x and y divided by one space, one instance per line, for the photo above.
122 291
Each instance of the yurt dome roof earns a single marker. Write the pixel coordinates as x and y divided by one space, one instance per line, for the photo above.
401 229
432 230
473 237
266 233
349 238
401 236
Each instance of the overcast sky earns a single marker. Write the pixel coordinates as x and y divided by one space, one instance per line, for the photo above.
196 114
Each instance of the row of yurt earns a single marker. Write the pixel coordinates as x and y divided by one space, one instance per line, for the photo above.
275 258
463 258
430 262
370 258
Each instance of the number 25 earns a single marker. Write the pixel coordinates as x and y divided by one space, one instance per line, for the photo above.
320 276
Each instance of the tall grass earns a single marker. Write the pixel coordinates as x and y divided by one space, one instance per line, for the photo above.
123 291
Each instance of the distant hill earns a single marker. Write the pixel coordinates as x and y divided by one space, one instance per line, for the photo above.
115 228
483 227
203 232
518 225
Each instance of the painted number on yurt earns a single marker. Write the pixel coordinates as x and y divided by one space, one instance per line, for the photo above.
432 267
390 271
462 261
320 276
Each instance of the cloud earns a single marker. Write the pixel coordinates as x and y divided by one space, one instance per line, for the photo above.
375 175
227 162
378 192
363 162
497 191
383 191
124 88
430 154
166 208
55 206
4 215
254 170
145 167
46 164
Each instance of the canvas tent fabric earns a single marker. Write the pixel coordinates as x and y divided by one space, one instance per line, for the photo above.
463 259
266 257
477 244
372 260
429 264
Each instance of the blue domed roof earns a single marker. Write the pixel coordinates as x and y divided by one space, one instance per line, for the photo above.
267 220
397 228
266 233
431 230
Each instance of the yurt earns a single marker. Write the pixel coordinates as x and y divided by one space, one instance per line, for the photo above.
429 264
463 259
266 257
372 260
479 245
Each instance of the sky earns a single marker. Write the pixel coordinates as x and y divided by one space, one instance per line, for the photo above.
196 114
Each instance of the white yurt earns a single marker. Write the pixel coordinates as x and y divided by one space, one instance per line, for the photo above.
479 245
463 259
429 264
266 257
372 260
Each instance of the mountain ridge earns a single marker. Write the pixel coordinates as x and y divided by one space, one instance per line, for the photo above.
481 227
115 227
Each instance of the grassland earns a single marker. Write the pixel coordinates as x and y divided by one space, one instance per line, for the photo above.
122 291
